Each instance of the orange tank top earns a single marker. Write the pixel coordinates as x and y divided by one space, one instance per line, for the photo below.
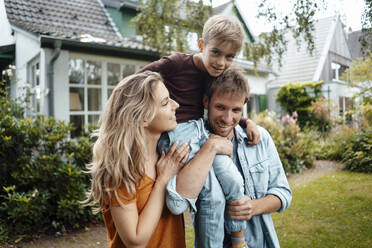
169 232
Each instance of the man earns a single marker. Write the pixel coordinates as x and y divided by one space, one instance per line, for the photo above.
265 185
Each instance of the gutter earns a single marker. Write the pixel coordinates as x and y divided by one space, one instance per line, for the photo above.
50 75
100 49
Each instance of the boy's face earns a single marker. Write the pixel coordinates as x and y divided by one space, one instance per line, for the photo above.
224 112
217 56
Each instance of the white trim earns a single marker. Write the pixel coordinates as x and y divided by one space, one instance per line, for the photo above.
102 87
244 19
326 48
110 19
26 33
85 56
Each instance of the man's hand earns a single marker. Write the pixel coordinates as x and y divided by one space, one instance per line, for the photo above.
252 133
245 208
242 209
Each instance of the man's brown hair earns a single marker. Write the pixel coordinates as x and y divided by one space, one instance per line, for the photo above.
231 81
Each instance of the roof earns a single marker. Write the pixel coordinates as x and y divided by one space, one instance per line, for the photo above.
298 64
221 8
78 20
359 41
354 43
232 8
131 4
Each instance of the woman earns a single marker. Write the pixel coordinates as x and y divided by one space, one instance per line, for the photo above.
128 177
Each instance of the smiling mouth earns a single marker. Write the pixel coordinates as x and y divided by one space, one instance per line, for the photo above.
216 69
223 127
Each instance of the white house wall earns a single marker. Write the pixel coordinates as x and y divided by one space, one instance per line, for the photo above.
60 80
257 84
27 48
339 42
5 29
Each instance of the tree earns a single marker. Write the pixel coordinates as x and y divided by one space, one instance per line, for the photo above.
165 25
359 75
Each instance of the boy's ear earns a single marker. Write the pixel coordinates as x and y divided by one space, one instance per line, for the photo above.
205 101
200 45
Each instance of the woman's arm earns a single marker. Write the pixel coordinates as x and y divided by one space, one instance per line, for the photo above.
135 230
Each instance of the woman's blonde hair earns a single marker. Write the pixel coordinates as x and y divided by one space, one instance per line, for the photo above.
119 152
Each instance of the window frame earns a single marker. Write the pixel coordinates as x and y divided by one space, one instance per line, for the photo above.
103 86
34 86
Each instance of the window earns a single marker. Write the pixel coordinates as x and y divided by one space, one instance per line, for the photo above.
34 83
337 70
345 105
256 104
85 79
90 85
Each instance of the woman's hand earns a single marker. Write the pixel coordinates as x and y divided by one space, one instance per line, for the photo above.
169 164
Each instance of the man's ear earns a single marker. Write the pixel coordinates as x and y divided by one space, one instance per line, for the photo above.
200 45
205 101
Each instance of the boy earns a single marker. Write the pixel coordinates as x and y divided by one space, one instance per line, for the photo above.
187 75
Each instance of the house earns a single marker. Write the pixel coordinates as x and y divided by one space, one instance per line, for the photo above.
71 54
331 57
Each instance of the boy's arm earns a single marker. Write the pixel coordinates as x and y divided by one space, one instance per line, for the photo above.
191 178
251 129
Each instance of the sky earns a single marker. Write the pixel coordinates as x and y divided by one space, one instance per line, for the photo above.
350 12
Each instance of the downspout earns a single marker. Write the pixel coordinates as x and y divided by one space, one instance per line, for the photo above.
50 75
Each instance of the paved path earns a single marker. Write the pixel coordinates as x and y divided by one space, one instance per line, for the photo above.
95 236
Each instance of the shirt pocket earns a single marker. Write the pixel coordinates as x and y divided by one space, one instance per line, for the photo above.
260 177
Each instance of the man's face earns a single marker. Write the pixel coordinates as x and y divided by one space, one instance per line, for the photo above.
224 112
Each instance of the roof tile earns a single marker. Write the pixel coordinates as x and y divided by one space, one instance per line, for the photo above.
68 19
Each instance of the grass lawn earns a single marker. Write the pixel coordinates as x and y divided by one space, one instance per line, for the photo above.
332 211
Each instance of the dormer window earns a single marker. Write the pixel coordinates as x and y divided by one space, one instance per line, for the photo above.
337 70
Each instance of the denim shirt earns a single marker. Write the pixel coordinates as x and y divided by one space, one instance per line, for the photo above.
263 174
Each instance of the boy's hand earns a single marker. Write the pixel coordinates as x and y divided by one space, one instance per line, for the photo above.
221 145
252 133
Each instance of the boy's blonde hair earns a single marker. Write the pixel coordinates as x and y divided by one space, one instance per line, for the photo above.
224 29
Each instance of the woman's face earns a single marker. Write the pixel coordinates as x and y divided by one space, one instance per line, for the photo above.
165 118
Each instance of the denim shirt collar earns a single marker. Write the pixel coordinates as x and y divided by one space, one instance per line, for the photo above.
240 134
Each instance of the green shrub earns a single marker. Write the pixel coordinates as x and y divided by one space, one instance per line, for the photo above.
41 173
320 113
294 147
332 145
358 154
298 97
